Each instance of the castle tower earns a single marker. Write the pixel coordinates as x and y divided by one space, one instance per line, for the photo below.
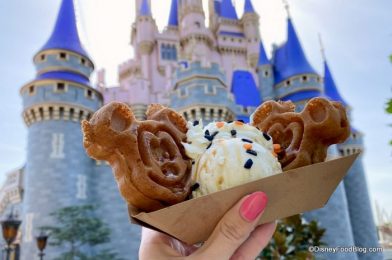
251 22
265 76
58 171
196 40
355 184
200 92
295 78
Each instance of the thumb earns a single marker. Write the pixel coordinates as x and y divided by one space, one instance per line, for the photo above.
235 227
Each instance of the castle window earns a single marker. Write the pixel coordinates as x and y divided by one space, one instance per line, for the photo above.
266 73
208 89
50 112
42 57
198 25
60 87
288 83
61 111
83 61
304 78
71 113
31 90
89 93
63 55
168 52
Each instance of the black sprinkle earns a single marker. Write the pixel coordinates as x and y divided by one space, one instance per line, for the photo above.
230 122
240 120
195 186
208 147
195 123
267 137
193 162
214 134
209 137
207 132
247 141
248 164
233 132
252 152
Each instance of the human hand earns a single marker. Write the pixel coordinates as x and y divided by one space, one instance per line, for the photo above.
236 236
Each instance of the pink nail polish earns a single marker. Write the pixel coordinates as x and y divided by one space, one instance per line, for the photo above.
253 206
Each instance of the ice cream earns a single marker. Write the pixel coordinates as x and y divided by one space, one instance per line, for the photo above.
228 154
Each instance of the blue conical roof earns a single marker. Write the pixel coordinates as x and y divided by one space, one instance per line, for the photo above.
173 18
145 8
65 33
248 8
227 10
263 59
290 59
330 89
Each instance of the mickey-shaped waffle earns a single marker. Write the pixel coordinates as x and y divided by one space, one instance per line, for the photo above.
148 160
304 137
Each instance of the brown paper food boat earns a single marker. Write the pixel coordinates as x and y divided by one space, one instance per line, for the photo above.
290 193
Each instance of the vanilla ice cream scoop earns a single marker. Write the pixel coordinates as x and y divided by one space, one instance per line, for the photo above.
228 154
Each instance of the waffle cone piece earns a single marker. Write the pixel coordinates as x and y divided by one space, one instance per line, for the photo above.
147 157
304 137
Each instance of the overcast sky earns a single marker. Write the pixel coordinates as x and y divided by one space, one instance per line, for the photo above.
357 36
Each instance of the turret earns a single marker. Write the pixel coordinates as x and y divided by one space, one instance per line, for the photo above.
295 78
173 16
200 92
355 183
195 39
251 22
265 75
58 171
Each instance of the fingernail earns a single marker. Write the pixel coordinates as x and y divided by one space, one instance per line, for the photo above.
253 206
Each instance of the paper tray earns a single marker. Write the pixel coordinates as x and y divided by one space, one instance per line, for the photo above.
290 193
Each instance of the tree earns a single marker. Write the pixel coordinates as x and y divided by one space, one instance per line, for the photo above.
77 228
292 239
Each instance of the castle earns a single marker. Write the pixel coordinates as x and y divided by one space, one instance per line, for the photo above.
215 72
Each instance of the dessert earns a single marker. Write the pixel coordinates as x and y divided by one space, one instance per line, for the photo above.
159 161
304 137
147 157
228 154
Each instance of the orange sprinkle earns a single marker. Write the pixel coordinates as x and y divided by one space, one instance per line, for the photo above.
247 146
220 124
238 123
277 148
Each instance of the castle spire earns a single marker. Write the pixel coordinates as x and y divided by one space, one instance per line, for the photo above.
290 58
65 34
145 8
173 18
248 8
227 10
263 59
330 88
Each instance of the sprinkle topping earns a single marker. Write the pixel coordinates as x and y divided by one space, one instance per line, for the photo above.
195 186
233 132
266 136
220 124
208 147
248 146
246 141
252 152
207 132
195 123
248 164
277 148
239 122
